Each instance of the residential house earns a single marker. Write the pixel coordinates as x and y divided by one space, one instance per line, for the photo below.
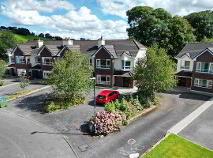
195 66
113 60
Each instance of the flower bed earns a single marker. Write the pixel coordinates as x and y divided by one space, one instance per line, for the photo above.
117 114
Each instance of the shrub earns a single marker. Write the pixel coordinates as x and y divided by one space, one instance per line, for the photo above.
1 82
156 101
51 106
24 82
110 107
106 122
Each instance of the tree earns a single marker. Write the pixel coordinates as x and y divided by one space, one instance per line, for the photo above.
2 71
24 82
157 26
41 35
7 41
155 73
70 76
202 22
181 34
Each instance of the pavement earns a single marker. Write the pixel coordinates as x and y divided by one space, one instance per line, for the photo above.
146 131
200 130
23 138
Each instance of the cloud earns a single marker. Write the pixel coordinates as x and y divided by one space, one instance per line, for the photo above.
176 7
75 23
40 6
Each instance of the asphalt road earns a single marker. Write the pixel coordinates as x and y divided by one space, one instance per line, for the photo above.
12 89
19 139
146 131
200 131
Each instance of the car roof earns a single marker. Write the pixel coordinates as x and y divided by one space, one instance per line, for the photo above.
106 92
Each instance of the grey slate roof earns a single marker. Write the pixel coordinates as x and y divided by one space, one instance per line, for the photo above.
87 47
195 49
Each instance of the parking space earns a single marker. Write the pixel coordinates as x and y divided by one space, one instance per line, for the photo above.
200 131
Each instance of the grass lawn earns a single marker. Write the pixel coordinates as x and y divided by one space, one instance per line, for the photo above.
176 147
19 94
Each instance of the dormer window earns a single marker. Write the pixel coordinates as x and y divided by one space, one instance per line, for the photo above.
126 64
185 64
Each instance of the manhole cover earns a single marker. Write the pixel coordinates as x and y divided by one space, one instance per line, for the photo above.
83 147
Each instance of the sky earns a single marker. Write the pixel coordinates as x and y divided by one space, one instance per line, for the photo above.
88 19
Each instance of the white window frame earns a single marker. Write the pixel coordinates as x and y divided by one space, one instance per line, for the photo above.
46 74
198 83
47 63
124 66
20 60
107 82
106 66
183 64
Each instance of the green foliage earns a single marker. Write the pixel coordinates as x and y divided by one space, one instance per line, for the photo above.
202 22
24 82
156 101
157 26
60 104
70 77
110 107
2 69
155 73
7 41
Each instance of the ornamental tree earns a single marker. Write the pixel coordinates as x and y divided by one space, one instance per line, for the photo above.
70 77
155 73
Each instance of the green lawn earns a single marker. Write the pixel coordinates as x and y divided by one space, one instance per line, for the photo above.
176 147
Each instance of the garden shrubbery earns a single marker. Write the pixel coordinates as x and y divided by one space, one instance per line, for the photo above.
116 114
55 104
106 122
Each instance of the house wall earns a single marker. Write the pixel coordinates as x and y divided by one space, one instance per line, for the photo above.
118 62
185 58
141 54
205 57
103 54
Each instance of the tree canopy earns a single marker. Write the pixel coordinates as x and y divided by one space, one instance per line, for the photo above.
202 22
71 77
155 73
157 26
7 41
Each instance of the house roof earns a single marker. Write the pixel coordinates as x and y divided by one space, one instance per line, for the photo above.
87 47
195 49
123 73
184 73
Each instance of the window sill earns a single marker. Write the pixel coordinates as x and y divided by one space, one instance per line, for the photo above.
102 68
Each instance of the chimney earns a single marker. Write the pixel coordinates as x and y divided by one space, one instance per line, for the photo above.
40 43
67 42
101 42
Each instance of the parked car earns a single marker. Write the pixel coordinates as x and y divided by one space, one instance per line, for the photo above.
107 96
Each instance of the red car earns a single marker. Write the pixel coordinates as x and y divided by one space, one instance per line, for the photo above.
107 96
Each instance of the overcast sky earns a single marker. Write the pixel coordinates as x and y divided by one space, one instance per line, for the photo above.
85 18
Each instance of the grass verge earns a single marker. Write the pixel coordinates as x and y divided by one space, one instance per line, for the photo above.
19 94
177 147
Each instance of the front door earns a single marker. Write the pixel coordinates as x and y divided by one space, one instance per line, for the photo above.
125 82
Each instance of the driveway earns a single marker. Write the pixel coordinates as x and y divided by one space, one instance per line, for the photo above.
23 138
146 131
200 131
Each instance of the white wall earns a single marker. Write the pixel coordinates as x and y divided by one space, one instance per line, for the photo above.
141 54
185 58
118 62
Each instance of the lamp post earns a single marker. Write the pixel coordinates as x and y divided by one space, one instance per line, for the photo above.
94 103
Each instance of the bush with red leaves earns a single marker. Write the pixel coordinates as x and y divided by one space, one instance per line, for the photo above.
106 122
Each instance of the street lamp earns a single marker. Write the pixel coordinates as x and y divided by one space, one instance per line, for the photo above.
94 103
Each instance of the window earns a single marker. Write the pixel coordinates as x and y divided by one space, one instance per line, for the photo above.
38 60
203 83
203 67
103 63
103 79
184 64
28 60
126 65
47 61
46 74
21 72
20 60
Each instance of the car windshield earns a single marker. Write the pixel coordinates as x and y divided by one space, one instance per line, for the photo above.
101 96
